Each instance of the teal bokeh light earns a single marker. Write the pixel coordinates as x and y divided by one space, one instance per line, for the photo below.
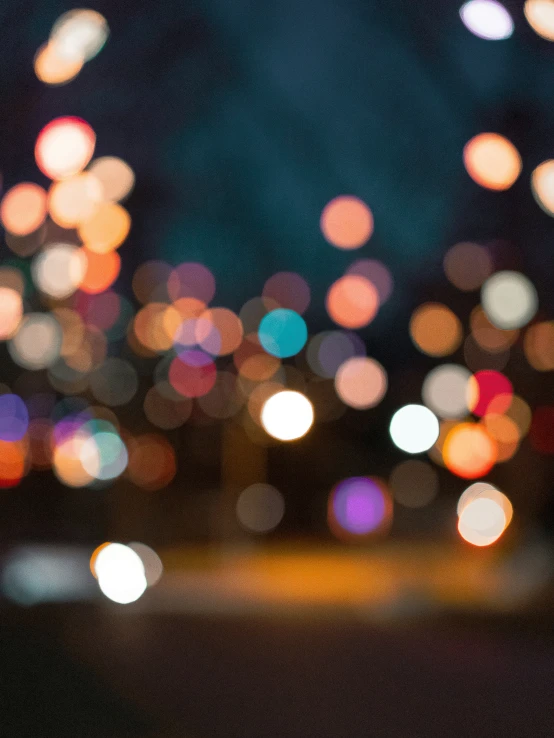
283 333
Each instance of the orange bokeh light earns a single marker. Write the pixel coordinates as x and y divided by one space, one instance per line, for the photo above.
23 208
352 301
347 222
492 161
469 451
435 329
75 199
101 272
106 229
52 68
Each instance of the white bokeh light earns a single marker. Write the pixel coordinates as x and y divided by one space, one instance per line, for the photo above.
445 390
120 573
287 415
487 19
509 300
414 428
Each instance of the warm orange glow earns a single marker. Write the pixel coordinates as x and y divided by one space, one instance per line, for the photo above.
540 16
542 184
219 331
487 335
539 346
75 199
106 229
95 556
52 68
252 362
505 432
435 329
352 301
469 451
23 208
64 147
492 161
347 222
11 312
152 463
155 325
13 461
102 271
258 398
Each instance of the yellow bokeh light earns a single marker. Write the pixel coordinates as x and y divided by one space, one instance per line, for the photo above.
59 270
287 415
106 229
482 522
11 312
540 16
492 161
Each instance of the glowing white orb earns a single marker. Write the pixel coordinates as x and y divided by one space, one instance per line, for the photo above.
414 428
509 300
287 415
487 19
120 573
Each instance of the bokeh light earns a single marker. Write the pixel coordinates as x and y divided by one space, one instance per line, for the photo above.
509 299
152 464
541 431
64 147
494 340
542 178
287 415
414 483
282 332
359 507
14 418
74 200
287 290
538 345
375 272
53 68
59 270
101 272
23 208
38 341
352 301
467 265
192 373
103 455
153 566
347 222
469 451
11 312
79 34
191 279
361 382
327 350
540 16
120 573
218 331
435 329
260 508
115 176
487 19
486 387
484 514
492 161
445 390
414 428
115 382
106 228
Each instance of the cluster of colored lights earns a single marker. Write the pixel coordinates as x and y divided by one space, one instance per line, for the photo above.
259 366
